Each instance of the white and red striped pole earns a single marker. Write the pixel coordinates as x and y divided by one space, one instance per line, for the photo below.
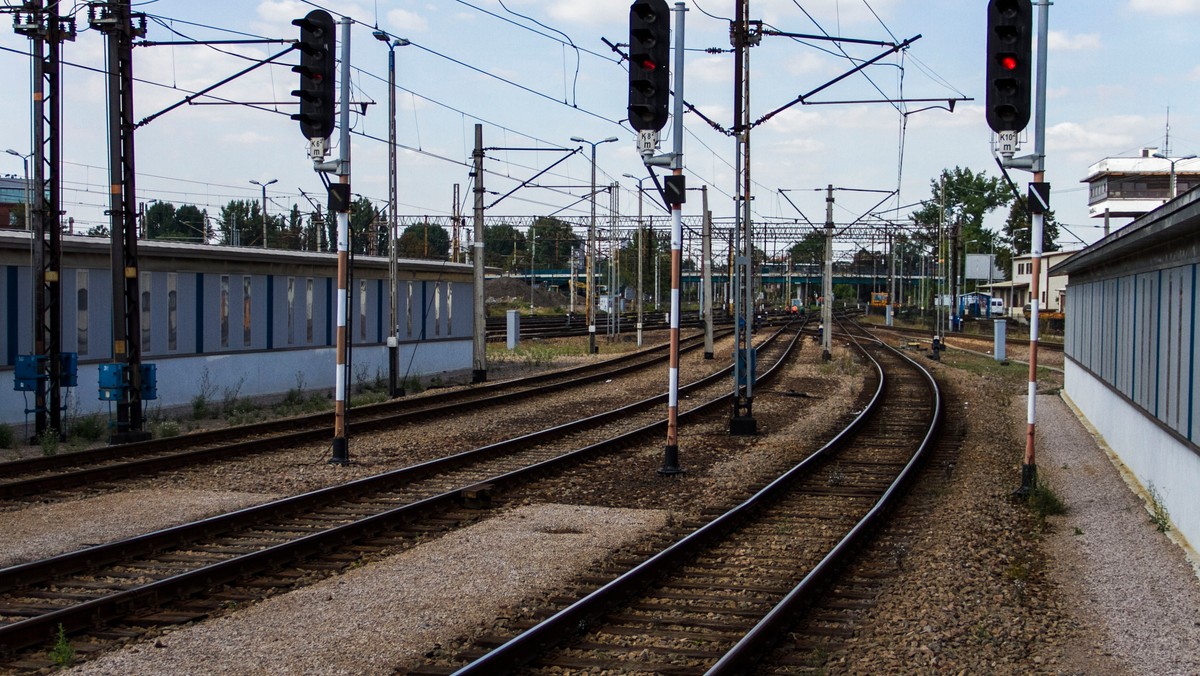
675 192
340 197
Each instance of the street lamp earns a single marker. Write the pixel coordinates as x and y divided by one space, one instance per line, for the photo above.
394 335
591 252
641 255
25 162
264 205
1159 156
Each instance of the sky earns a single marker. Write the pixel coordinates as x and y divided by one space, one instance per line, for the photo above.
1120 71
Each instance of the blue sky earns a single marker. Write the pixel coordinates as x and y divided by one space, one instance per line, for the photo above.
1116 68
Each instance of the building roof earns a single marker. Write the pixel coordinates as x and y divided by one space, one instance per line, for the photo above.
1177 218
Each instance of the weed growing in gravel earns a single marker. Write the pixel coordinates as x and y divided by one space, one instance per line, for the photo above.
7 436
48 440
982 633
1158 511
1078 530
1045 502
89 428
62 653
166 429
202 402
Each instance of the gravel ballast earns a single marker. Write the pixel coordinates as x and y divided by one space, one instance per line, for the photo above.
393 610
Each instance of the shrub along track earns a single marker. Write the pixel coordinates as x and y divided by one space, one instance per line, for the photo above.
276 545
53 477
719 597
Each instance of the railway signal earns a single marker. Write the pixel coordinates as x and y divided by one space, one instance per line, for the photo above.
317 71
1009 53
649 69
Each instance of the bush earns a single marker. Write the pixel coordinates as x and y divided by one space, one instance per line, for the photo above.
7 436
89 428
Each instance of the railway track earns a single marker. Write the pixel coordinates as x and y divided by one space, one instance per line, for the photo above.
43 475
273 545
1014 338
717 599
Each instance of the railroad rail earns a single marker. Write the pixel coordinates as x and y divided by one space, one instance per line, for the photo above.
718 598
41 475
1013 338
86 589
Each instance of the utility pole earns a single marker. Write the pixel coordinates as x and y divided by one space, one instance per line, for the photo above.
706 305
742 420
456 220
393 343
264 206
590 257
43 207
116 21
827 282
479 346
641 255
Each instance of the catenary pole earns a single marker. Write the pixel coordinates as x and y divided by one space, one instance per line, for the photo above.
706 306
479 344
827 282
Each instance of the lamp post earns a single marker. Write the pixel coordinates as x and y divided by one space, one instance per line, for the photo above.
394 332
591 250
641 256
264 205
25 162
1159 156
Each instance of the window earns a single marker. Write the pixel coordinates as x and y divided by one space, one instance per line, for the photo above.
144 283
408 310
224 310
437 309
172 312
449 308
308 310
291 309
246 311
362 310
81 312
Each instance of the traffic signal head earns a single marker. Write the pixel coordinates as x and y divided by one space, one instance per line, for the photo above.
649 70
1009 52
318 69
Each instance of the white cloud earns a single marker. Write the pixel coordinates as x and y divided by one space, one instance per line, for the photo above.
1195 74
402 22
1166 7
1063 41
588 12
711 69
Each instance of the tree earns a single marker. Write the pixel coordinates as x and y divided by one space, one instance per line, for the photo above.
500 243
964 197
553 240
423 240
241 223
193 223
362 224
1018 233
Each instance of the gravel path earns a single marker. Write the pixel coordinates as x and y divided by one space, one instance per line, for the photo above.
1129 581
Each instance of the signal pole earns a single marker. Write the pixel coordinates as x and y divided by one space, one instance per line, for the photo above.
742 420
479 346
340 200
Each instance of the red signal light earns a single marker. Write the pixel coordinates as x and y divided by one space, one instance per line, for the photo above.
1008 62
649 65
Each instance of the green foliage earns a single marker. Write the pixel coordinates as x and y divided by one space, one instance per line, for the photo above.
1158 511
1045 502
1019 234
188 222
960 197
49 440
166 429
62 654
7 436
202 407
503 246
424 240
89 428
552 241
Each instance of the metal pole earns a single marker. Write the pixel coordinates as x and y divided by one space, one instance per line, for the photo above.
641 256
706 263
341 446
590 262
479 344
671 451
827 287
394 389
1029 466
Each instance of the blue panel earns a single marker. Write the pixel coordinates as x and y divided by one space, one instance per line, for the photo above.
270 311
68 365
11 321
149 381
29 371
113 382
